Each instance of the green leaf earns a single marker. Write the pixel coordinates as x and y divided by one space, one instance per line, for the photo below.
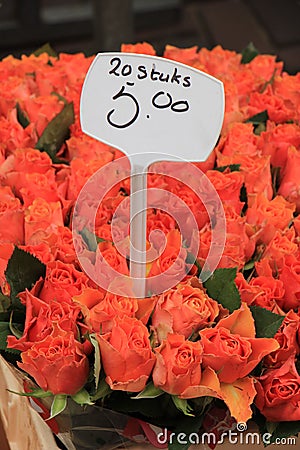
232 167
249 53
22 117
222 288
267 323
190 259
46 48
97 359
150 391
56 132
15 328
4 303
90 239
37 393
4 332
23 270
58 405
82 397
102 391
259 118
275 174
182 405
284 430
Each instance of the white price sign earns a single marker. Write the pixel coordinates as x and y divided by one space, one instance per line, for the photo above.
147 105
153 109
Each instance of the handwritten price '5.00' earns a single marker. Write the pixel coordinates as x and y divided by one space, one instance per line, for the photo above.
160 100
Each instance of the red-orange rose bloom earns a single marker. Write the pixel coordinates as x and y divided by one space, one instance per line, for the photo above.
278 393
185 310
178 365
42 318
58 364
126 355
62 282
231 348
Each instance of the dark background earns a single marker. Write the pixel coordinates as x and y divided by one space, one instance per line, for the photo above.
91 26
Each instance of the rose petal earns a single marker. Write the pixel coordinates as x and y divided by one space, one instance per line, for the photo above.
239 397
239 322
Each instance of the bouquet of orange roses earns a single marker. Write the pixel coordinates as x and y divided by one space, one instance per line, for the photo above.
199 355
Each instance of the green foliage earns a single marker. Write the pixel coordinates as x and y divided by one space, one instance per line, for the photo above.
58 405
90 239
259 121
182 405
249 53
222 288
231 167
56 132
267 323
150 391
22 117
82 397
97 360
22 272
46 48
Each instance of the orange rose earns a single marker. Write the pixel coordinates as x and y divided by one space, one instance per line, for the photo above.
275 106
42 319
231 348
287 339
102 315
276 140
171 265
250 292
184 55
178 364
256 170
13 89
159 220
278 393
219 61
235 250
62 282
11 217
228 186
113 257
266 217
84 146
40 218
185 310
53 362
43 183
283 243
287 87
232 113
6 250
13 135
289 185
290 277
41 110
141 47
126 355
269 290
239 139
265 66
61 245
24 160
82 170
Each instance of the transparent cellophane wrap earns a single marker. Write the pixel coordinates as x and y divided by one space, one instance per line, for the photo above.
79 428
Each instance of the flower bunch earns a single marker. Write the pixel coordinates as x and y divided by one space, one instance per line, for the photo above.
232 341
